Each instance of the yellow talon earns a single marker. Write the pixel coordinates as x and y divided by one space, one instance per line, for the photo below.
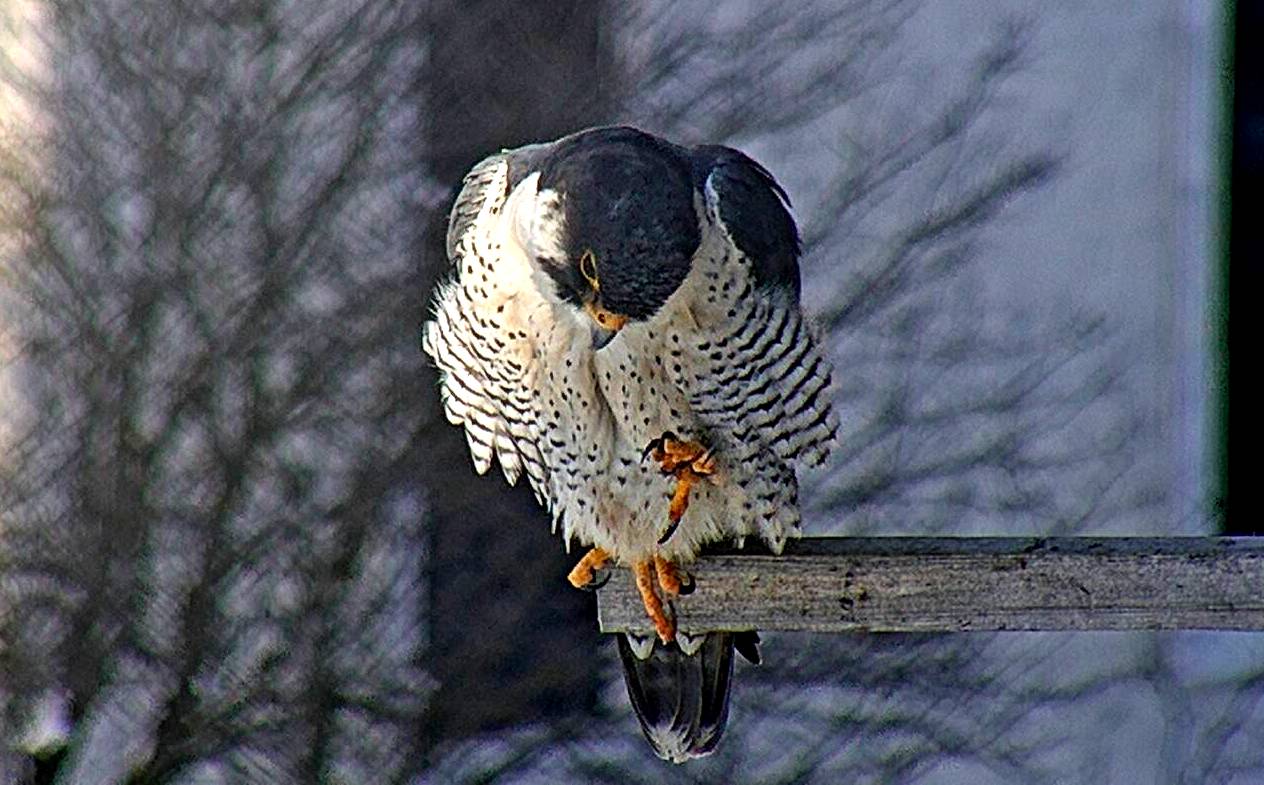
688 462
670 578
645 579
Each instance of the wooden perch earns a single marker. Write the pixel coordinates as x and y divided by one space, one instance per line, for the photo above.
924 584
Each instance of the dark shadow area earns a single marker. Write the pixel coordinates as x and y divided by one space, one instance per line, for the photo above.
1246 250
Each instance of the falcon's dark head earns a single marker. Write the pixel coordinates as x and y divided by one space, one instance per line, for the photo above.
618 207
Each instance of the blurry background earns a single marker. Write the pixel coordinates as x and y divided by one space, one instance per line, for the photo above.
239 543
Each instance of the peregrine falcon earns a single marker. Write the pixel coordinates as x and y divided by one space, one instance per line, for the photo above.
622 326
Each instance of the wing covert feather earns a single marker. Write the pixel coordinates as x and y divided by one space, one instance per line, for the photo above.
756 377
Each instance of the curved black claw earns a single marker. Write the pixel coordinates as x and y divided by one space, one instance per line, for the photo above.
687 584
657 444
600 578
667 535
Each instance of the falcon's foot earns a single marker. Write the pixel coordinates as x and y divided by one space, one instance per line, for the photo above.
689 462
583 575
652 576
664 625
672 579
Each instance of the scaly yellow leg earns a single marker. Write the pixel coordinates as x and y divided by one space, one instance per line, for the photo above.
671 579
689 462
645 579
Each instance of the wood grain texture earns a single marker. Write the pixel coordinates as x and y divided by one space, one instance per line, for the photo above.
916 584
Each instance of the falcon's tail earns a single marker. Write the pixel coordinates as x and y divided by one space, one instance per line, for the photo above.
682 699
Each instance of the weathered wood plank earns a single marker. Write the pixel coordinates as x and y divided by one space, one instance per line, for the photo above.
917 584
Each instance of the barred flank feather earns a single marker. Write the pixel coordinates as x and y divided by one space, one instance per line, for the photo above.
758 380
478 341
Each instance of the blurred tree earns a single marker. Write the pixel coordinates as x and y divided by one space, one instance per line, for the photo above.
230 432
211 529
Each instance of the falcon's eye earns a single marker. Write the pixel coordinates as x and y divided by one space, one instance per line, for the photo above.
588 269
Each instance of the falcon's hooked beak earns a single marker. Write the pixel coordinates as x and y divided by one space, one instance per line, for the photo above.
605 324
